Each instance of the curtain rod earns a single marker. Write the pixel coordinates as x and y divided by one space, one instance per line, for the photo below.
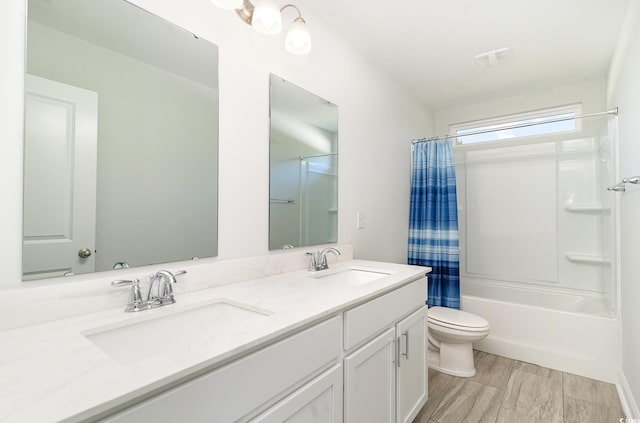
613 111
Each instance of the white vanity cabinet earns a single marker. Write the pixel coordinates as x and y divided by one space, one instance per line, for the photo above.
320 401
366 364
248 386
385 368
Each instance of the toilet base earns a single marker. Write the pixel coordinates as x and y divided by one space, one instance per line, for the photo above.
453 359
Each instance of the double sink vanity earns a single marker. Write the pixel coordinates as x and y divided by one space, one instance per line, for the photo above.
345 343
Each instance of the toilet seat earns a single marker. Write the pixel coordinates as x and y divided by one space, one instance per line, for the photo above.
456 319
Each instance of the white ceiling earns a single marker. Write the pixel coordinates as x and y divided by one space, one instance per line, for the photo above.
429 46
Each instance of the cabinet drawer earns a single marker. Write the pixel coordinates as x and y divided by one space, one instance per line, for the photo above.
231 392
368 319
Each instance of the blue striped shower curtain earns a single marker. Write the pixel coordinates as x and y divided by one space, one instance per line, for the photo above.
433 221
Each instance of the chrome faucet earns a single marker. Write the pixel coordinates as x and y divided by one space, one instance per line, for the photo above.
318 259
160 291
163 291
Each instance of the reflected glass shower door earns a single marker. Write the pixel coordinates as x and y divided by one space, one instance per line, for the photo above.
318 208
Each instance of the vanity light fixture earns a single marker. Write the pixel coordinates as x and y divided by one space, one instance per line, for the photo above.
266 18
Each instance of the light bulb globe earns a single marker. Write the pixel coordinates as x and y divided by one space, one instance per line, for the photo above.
298 39
266 17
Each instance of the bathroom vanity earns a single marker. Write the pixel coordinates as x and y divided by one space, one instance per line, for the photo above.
343 344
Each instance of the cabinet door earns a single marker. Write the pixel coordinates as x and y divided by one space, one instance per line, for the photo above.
319 401
412 370
370 381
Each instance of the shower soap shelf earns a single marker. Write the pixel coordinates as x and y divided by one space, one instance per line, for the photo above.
587 258
586 208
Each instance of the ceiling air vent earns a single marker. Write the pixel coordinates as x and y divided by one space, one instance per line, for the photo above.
494 57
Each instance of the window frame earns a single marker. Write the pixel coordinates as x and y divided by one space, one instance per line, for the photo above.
550 113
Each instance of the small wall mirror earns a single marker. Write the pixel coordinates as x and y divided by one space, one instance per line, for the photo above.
303 168
121 139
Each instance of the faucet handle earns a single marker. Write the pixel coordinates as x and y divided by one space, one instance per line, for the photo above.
135 296
126 282
312 260
166 290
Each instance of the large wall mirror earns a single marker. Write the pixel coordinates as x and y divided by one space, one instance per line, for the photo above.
303 168
121 139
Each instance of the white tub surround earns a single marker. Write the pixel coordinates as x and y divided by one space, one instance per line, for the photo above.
52 371
573 342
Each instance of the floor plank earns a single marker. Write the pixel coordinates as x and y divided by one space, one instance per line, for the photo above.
537 370
511 416
591 390
438 386
535 396
469 402
508 391
492 370
580 411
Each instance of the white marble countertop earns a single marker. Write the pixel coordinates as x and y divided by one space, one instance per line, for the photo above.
52 372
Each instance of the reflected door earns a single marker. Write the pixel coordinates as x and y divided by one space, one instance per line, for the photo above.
59 179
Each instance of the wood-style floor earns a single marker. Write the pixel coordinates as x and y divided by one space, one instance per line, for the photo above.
510 391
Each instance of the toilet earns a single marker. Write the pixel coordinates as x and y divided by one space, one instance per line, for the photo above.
451 334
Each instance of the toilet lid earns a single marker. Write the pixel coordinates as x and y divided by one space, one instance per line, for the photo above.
451 316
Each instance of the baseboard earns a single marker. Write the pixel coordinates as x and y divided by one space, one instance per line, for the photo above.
629 404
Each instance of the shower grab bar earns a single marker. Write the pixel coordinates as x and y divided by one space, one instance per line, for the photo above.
282 200
619 187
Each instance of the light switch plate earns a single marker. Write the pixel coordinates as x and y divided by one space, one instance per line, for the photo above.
360 219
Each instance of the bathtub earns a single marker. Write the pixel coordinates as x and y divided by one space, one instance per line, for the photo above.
568 332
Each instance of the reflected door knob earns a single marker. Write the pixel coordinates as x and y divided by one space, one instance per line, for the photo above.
84 253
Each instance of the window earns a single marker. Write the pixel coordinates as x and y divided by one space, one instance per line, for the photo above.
531 125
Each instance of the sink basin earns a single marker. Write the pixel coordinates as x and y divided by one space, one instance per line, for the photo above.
180 331
354 276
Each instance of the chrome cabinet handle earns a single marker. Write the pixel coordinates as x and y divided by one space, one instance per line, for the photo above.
406 344
84 253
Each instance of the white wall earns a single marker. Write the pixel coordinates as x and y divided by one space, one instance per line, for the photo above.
376 123
624 92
